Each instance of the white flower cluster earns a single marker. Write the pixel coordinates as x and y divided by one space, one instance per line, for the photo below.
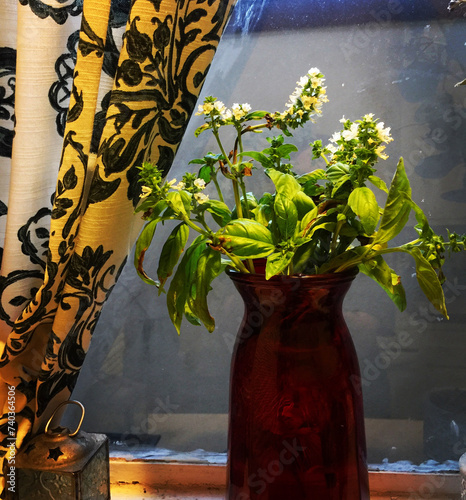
208 107
306 93
237 111
198 183
200 197
383 134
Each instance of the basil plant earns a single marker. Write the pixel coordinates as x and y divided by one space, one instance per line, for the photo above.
325 221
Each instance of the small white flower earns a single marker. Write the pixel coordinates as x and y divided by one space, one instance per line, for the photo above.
368 117
315 82
201 198
335 137
332 148
352 133
313 71
343 119
205 109
292 101
219 106
302 82
199 183
308 101
227 114
181 185
240 110
383 133
237 111
380 152
146 191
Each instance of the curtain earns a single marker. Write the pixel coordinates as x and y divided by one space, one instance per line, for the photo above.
88 91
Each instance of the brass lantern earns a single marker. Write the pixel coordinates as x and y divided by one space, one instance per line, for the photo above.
63 464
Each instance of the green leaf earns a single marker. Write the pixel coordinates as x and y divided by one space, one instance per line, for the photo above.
190 316
303 255
423 226
378 182
327 226
142 244
264 160
181 282
308 220
285 149
352 255
277 262
335 172
428 281
285 184
256 115
286 215
263 214
246 238
178 200
304 203
397 207
313 176
364 204
209 266
220 211
205 173
339 183
379 271
201 129
149 204
171 252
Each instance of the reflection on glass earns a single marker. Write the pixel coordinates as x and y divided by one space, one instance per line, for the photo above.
400 61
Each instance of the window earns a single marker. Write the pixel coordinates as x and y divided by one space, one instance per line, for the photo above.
400 61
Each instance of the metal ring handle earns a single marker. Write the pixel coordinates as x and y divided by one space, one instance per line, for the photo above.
58 407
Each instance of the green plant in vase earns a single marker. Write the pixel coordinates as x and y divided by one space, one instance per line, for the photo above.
325 221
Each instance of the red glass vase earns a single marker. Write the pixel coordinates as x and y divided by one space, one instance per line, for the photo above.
296 423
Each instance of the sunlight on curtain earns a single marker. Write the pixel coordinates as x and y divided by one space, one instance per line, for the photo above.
84 97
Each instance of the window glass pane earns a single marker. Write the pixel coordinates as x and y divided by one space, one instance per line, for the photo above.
400 61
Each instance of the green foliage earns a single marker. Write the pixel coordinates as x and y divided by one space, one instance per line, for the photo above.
327 220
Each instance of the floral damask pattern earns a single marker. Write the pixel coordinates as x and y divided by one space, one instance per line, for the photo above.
157 75
59 13
7 100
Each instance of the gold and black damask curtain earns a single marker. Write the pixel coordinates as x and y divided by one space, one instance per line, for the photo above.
88 91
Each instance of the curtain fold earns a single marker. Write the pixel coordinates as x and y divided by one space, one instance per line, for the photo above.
126 77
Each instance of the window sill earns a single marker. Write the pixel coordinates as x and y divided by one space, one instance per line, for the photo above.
155 480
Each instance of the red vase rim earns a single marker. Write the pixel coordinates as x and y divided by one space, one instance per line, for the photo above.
311 279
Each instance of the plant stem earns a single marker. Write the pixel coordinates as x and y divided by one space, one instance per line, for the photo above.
217 186
324 157
290 268
251 128
245 198
236 261
239 208
189 222
360 259
336 233
220 145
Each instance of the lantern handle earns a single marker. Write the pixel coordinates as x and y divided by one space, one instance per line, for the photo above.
47 431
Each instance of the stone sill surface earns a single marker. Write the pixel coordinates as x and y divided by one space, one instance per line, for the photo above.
138 492
152 480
